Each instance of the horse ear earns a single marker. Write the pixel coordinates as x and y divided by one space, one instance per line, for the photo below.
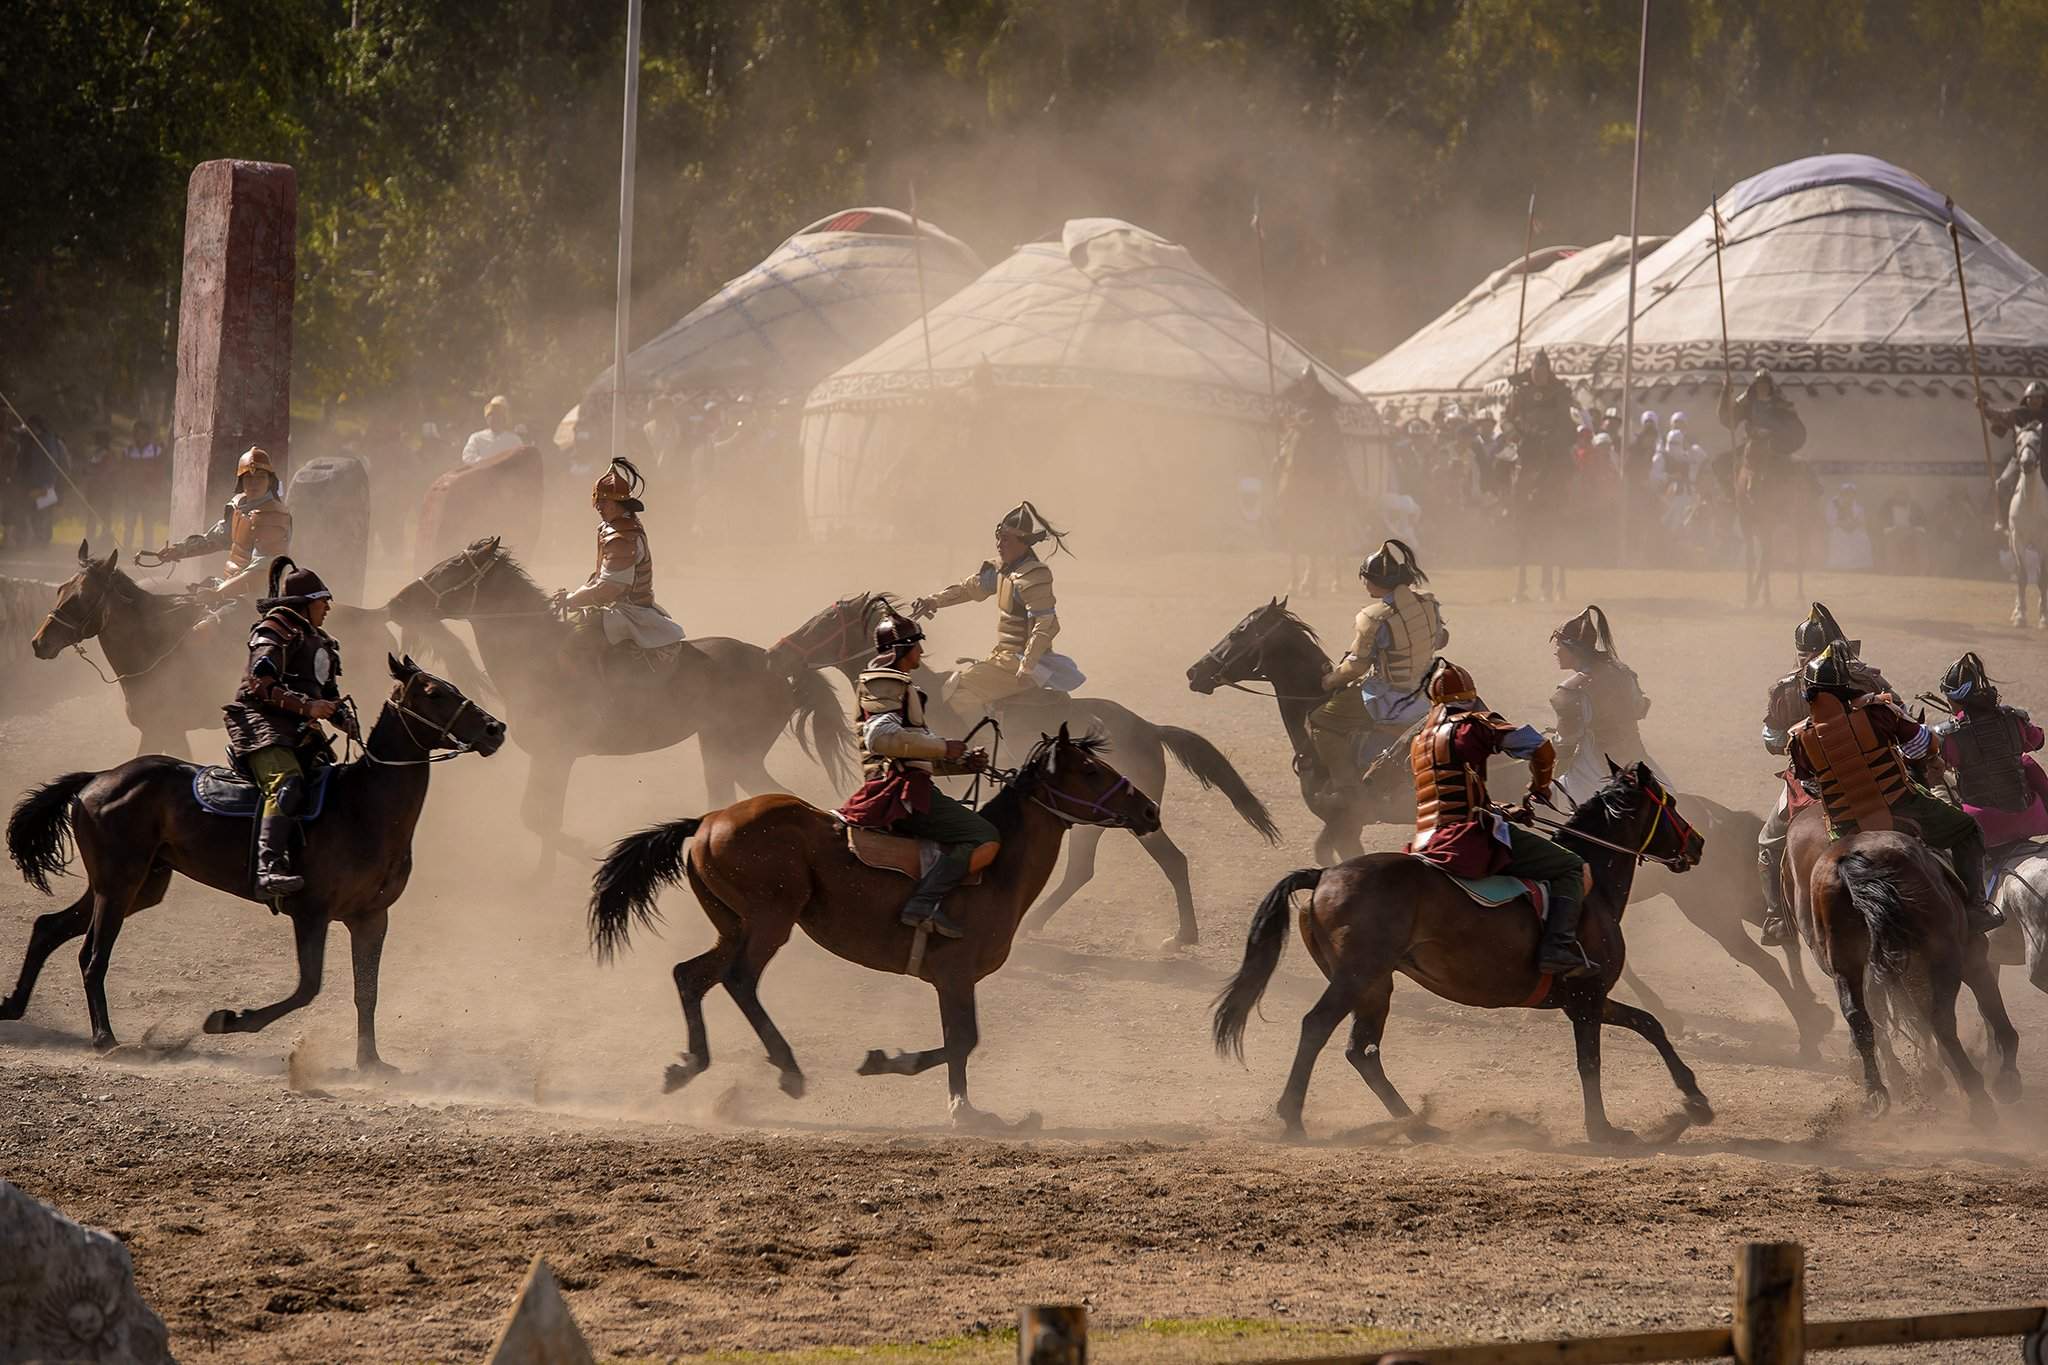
1613 769
400 671
84 554
1281 601
1064 736
113 557
494 544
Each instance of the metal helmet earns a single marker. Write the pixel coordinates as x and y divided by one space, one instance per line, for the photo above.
1589 632
255 460
1832 670
1539 360
1029 525
1392 564
1764 376
620 483
292 586
2035 389
1967 682
1449 682
897 633
1818 631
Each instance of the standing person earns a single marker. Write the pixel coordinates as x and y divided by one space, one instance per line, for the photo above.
1022 667
1376 688
255 526
496 436
145 487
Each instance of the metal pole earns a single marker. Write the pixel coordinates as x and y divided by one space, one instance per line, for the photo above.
1265 309
1628 355
1970 334
622 310
924 316
1522 308
1721 289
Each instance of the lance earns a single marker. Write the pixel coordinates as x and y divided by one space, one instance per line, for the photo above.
1265 306
1522 308
1955 240
1721 289
924 316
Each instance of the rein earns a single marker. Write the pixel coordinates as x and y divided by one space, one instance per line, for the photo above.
87 631
1641 853
406 716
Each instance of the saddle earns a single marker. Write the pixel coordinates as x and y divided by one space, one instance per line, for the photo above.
223 791
896 853
1500 889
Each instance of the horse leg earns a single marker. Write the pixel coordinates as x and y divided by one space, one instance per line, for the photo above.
1081 846
695 978
721 783
366 956
962 1034
547 792
1862 1030
1316 1027
309 933
2041 591
1174 863
1809 1016
1368 1024
1585 1014
109 911
1645 1023
51 932
1982 978
742 979
1941 1018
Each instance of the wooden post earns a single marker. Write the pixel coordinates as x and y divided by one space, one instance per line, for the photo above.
1770 1304
1052 1334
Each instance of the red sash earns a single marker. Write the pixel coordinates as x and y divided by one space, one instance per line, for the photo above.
882 801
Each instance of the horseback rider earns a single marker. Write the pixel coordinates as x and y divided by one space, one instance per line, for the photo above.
1985 747
1852 751
1599 707
254 526
1541 420
1785 709
273 723
1022 667
2030 412
1763 419
1457 830
899 755
1376 688
616 602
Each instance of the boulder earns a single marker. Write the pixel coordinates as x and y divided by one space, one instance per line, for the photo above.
67 1292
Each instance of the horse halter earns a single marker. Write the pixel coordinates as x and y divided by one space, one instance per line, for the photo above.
475 582
1221 653
83 629
439 745
849 622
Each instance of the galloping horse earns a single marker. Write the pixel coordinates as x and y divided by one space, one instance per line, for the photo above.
731 695
137 824
2027 530
842 637
1388 912
770 863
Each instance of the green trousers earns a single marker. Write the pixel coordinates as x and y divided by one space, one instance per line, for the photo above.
1335 726
1537 858
951 825
270 766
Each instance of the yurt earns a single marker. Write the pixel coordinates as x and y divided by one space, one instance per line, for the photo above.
1099 371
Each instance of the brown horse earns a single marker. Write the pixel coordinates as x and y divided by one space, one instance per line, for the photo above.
768 864
1772 499
137 824
1387 912
1881 909
733 697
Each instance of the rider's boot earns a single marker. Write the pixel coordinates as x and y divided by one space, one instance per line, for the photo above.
275 875
1770 873
1560 952
922 910
1981 914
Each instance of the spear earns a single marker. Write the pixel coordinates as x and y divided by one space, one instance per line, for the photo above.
1970 335
1522 308
1265 309
1721 288
924 315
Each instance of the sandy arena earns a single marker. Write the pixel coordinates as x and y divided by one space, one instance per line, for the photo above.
279 1209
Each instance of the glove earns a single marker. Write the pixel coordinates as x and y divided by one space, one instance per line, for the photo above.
322 709
975 760
345 720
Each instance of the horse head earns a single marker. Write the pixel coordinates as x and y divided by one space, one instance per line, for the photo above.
452 588
1644 816
1245 653
434 715
2028 447
82 603
842 634
1067 776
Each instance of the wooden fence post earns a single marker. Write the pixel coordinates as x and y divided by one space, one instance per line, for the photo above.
1770 1304
1052 1334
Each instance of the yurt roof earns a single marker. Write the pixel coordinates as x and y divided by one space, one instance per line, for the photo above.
1100 306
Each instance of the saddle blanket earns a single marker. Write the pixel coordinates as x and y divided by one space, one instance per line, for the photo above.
896 853
223 791
1502 889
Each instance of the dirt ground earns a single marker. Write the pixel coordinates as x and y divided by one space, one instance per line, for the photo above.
281 1209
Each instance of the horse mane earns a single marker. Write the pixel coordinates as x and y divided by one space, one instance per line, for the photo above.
1287 615
505 559
131 593
1006 805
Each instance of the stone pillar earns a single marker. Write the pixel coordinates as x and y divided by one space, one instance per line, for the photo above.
234 331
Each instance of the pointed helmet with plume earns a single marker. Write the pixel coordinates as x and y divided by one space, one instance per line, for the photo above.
1832 670
895 633
292 586
1818 631
620 483
1967 684
1587 632
1029 525
1392 564
1448 682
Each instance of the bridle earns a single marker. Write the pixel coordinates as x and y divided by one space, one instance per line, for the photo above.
1222 652
1667 810
474 583
1067 808
439 745
850 620
83 630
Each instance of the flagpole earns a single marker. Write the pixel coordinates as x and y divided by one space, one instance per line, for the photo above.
1628 356
1970 334
924 314
629 146
1522 308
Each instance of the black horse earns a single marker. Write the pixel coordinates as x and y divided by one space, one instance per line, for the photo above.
137 824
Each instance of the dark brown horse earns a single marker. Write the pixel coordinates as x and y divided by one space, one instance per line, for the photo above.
173 679
1882 911
1273 647
137 824
1773 500
1387 912
842 636
732 696
768 864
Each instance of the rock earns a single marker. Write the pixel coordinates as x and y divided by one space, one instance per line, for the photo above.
540 1330
67 1292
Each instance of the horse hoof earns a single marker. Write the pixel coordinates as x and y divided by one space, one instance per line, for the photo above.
792 1083
1173 943
2005 1087
677 1076
376 1068
10 1010
220 1021
1877 1104
1612 1137
104 1042
1699 1110
876 1063
2018 619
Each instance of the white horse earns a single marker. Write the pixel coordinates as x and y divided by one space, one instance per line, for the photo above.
2022 893
2027 531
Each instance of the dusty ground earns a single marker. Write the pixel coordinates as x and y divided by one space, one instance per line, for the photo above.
279 1209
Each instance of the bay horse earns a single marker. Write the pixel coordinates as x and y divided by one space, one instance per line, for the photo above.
733 697
1881 909
2027 530
1274 647
842 636
1388 912
771 863
172 679
1771 497
135 825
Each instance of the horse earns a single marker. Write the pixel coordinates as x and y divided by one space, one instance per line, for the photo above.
842 635
1535 512
2027 530
2022 893
1880 908
732 696
135 825
1770 497
1387 912
173 679
770 863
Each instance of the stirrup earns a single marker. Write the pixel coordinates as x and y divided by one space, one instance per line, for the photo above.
1985 918
1777 931
1554 961
933 919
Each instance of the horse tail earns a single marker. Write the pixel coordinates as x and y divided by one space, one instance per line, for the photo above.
1207 765
40 827
830 740
1268 935
629 879
1873 887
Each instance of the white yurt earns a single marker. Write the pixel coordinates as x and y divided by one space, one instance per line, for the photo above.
1099 371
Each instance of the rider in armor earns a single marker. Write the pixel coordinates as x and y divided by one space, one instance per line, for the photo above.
1785 709
1455 827
899 755
617 600
273 723
1985 747
1376 688
1599 707
1763 419
1540 419
254 526
1852 751
1022 666
2030 411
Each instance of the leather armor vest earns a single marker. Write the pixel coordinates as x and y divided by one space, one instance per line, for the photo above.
1448 791
1861 775
262 531
1618 710
884 691
623 540
1017 590
1987 767
1413 620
